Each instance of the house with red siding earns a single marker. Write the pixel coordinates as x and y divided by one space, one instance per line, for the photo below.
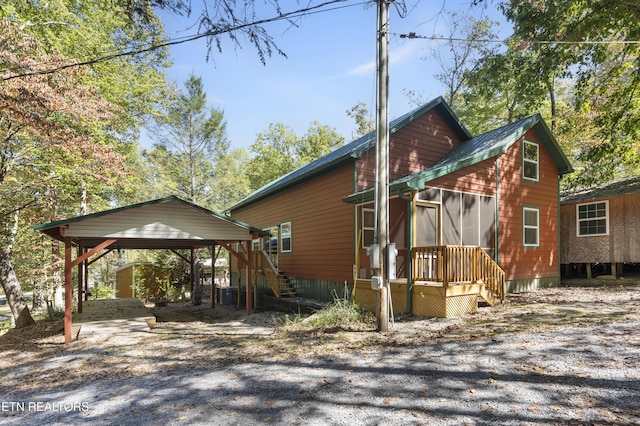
470 216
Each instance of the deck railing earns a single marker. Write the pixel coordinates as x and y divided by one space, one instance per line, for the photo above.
262 261
457 265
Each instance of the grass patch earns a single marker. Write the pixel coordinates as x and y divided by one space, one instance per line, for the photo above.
341 314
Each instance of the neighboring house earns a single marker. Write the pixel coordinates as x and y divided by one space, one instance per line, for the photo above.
498 191
600 225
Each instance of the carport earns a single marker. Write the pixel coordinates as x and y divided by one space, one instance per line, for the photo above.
166 223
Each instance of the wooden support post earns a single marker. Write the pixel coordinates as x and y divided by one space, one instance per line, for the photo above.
249 297
214 257
80 279
68 291
588 266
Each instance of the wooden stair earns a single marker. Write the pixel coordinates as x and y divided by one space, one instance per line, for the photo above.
279 283
488 294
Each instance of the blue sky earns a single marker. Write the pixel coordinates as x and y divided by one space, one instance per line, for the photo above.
329 68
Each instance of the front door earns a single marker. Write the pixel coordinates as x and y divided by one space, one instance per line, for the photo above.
427 229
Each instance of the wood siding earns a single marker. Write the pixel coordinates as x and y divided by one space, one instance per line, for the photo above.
477 179
518 262
414 148
167 220
322 226
622 243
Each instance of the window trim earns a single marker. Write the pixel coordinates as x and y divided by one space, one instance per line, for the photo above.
606 218
286 235
526 160
363 228
525 227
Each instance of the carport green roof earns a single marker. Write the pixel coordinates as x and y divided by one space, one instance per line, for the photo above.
475 150
351 151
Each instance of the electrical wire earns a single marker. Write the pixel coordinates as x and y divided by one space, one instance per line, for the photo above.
310 10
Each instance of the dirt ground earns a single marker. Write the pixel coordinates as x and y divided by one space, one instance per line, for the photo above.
566 355
578 302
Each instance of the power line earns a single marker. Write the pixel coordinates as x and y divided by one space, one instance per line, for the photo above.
172 42
413 35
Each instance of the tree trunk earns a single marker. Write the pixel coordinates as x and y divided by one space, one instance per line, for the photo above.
12 289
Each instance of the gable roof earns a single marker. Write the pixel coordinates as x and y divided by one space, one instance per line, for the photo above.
482 147
163 223
612 189
352 151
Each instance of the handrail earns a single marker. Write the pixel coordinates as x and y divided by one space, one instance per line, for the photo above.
457 264
262 260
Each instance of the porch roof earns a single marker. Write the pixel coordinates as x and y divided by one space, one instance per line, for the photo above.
351 151
482 147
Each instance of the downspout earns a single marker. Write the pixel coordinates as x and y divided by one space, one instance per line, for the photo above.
411 212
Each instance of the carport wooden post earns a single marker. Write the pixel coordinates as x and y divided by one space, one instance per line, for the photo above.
214 256
249 267
68 290
81 286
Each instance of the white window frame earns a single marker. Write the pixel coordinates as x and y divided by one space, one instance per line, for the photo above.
525 160
587 219
286 233
526 227
367 210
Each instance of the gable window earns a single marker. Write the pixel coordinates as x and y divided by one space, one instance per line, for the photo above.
593 219
531 227
368 227
530 160
285 237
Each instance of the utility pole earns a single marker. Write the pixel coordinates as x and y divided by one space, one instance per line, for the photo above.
382 164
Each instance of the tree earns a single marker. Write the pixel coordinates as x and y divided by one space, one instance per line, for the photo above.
364 125
46 121
191 140
590 43
499 90
466 43
279 151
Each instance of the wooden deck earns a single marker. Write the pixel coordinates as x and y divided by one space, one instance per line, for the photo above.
447 281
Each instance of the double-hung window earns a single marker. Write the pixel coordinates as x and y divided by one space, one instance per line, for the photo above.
530 160
593 219
530 227
285 237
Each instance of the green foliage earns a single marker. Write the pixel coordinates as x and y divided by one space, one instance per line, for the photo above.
364 123
585 44
103 292
191 141
280 151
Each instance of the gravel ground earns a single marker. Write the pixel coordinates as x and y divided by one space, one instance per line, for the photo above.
555 356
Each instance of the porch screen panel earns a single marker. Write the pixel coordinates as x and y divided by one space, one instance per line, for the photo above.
488 224
470 219
426 226
451 218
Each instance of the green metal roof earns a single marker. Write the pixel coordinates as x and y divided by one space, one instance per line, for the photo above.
608 190
350 152
482 147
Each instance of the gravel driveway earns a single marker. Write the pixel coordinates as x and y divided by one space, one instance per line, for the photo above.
553 356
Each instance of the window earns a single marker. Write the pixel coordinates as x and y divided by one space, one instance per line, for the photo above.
285 237
368 227
593 219
530 163
531 227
